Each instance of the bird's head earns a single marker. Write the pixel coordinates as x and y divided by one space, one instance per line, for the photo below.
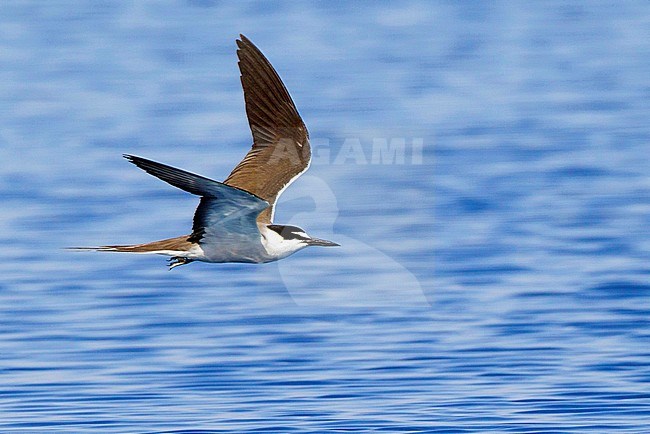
283 240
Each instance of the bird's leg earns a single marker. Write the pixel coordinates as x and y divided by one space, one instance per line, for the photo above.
175 261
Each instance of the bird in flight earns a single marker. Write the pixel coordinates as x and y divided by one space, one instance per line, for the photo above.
234 219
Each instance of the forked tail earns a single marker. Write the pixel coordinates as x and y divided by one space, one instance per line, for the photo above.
177 248
170 246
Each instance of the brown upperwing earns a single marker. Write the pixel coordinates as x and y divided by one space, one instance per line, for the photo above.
281 150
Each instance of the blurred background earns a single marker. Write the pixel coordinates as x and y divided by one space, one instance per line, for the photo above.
483 164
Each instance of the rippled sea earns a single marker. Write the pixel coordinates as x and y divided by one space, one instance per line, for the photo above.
484 165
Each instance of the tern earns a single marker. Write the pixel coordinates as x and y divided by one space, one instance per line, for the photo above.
234 219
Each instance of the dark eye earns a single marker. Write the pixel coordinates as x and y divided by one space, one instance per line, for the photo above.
289 232
297 236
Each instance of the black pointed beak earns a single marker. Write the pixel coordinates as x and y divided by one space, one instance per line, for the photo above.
322 243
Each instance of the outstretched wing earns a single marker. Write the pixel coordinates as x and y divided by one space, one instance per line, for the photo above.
281 150
224 213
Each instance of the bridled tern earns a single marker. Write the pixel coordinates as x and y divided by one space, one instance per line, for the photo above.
234 219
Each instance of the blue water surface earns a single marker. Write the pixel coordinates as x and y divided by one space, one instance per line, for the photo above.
485 166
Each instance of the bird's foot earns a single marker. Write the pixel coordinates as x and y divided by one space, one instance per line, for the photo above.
175 261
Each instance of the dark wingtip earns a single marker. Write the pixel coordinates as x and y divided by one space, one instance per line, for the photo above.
242 41
134 159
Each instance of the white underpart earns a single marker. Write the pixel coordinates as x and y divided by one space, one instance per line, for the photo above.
287 185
